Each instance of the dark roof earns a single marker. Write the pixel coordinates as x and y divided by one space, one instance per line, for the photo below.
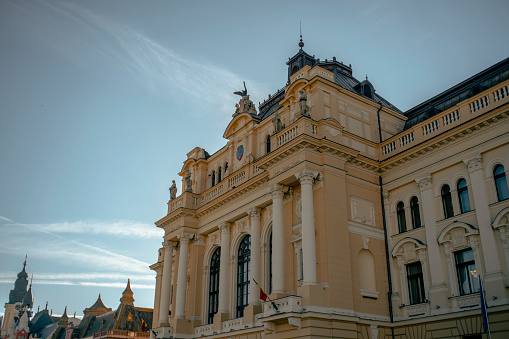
40 320
460 92
98 303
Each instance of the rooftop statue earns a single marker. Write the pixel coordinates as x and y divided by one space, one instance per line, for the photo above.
189 182
245 105
304 108
276 121
173 190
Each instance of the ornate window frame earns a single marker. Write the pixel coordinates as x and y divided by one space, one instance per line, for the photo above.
213 241
455 237
501 223
240 232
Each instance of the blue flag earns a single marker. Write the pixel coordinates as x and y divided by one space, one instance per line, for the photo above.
484 313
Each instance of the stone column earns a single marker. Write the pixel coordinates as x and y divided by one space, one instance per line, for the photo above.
482 210
254 215
278 240
437 275
224 268
180 311
306 178
493 277
164 306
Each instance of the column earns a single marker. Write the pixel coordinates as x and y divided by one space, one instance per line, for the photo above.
254 215
482 210
278 240
164 306
180 311
306 178
224 268
437 275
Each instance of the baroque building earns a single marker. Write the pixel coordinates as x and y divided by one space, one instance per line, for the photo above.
357 219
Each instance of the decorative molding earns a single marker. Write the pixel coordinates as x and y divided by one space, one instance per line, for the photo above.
184 237
365 241
224 227
198 240
362 229
254 213
307 176
424 182
474 163
276 191
362 211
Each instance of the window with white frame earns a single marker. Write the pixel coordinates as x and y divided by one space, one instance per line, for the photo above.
243 263
415 213
463 196
214 284
500 183
447 202
400 214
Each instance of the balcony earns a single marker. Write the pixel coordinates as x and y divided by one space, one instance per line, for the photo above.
120 334
284 305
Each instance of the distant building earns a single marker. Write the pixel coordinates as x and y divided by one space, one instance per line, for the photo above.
357 219
99 321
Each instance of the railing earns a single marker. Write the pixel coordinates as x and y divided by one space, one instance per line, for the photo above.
237 178
446 120
204 330
406 139
501 93
175 203
430 127
120 334
233 325
451 117
288 135
479 103
389 147
287 304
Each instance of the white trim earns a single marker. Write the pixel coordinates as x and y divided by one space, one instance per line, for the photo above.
362 229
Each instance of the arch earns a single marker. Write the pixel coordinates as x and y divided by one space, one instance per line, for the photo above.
213 285
440 184
242 276
488 169
417 243
501 219
219 175
367 276
213 181
226 169
401 217
469 229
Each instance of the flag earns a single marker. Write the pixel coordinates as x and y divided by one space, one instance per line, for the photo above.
264 296
143 325
484 313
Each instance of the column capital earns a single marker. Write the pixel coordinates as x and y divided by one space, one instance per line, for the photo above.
199 240
168 244
184 237
424 182
306 176
224 227
254 213
276 191
474 163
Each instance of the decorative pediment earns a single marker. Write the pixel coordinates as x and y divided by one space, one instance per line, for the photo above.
502 218
238 123
458 235
408 249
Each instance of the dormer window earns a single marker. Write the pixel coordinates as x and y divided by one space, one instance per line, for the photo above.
295 69
367 92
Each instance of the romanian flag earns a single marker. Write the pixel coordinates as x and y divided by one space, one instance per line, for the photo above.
143 325
264 296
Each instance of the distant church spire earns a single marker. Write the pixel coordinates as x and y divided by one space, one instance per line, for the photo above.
127 295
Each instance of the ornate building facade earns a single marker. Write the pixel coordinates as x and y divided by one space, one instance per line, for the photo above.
358 220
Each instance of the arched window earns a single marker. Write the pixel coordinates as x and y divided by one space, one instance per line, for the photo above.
295 69
500 182
219 175
414 211
244 259
226 169
213 178
400 211
270 263
267 144
463 196
214 284
447 202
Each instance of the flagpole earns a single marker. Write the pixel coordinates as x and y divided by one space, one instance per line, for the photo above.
484 309
273 304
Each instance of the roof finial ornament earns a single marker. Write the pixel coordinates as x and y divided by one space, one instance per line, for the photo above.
301 43
25 263
366 77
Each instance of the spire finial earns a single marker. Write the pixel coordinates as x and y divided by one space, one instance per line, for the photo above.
301 43
25 262
46 306
366 77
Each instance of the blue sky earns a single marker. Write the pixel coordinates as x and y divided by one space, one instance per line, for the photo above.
101 100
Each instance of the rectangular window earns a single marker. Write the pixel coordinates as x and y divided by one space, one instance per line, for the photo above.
415 283
467 272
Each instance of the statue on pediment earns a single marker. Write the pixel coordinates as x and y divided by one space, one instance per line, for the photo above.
173 190
304 108
245 105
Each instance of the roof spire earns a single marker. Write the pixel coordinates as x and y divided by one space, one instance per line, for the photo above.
25 263
301 43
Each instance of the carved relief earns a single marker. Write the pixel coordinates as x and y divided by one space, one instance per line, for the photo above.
474 163
424 182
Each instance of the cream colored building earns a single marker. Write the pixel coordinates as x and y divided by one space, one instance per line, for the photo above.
358 220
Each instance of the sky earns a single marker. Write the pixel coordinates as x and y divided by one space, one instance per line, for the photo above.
101 100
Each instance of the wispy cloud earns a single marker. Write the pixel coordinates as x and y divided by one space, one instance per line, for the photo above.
4 219
156 65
